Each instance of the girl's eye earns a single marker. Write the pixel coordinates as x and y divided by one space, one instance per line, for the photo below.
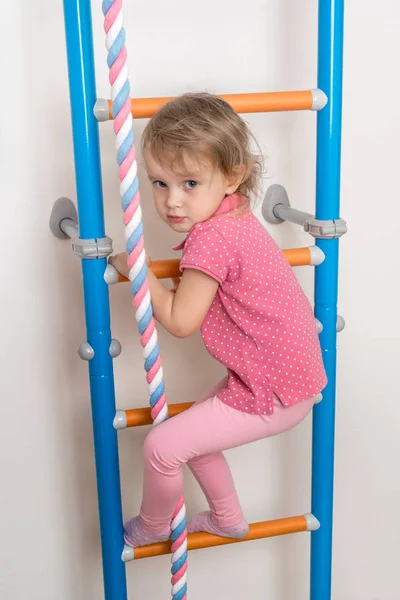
159 184
190 184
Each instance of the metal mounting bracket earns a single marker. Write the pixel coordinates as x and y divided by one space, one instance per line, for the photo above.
92 248
276 209
325 229
64 224
64 219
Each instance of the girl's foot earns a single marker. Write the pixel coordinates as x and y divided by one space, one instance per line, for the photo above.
137 535
203 522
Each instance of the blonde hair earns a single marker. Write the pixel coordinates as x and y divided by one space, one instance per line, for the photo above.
204 126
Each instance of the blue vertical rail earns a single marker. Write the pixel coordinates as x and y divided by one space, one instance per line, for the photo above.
78 30
329 125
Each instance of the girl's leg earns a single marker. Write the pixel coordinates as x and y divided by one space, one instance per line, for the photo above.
225 517
207 428
215 479
223 480
139 531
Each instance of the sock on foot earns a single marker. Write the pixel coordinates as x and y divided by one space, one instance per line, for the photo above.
137 535
203 522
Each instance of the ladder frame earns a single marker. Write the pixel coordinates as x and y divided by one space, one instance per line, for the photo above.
79 43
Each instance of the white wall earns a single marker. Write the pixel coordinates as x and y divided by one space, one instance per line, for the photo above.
49 526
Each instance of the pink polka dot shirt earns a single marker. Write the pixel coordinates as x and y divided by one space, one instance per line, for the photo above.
260 324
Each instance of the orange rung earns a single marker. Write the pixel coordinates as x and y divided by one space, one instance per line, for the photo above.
257 531
297 257
135 417
164 269
143 108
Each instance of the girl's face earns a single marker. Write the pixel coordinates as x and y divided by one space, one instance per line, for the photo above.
184 198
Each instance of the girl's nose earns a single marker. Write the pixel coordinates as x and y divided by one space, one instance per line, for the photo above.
174 201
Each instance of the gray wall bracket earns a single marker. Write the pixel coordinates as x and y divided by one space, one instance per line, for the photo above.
64 224
276 209
64 219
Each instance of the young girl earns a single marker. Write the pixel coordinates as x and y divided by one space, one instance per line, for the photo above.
240 291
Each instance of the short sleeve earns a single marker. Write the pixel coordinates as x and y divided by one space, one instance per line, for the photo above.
206 250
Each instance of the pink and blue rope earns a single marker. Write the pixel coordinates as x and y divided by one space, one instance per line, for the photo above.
129 190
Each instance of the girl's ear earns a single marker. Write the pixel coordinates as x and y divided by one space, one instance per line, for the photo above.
235 179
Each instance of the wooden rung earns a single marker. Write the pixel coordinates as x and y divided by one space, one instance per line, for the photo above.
297 257
143 108
257 531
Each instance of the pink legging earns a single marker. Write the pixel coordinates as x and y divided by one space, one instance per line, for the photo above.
196 438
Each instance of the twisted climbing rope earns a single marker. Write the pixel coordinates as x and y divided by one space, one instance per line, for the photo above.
129 190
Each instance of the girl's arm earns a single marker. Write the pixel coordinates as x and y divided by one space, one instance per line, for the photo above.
182 312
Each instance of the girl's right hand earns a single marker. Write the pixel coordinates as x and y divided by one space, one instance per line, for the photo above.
119 262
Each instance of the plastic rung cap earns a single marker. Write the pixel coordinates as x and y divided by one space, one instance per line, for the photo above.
101 110
86 351
320 99
312 522
317 256
128 554
340 324
115 348
111 275
319 326
120 420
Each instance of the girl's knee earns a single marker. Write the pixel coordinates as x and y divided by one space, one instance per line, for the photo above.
151 444
157 450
